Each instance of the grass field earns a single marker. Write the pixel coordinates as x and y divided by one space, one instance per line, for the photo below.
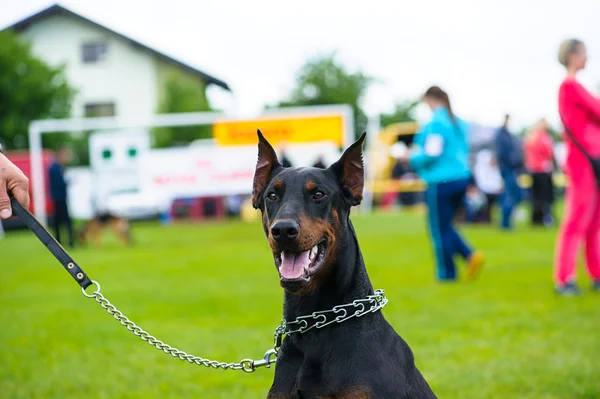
212 290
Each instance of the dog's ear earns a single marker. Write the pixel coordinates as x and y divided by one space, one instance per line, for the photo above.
350 172
267 163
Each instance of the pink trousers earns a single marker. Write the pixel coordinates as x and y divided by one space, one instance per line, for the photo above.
581 225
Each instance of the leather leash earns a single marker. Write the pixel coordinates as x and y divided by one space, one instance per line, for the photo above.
371 304
247 365
50 242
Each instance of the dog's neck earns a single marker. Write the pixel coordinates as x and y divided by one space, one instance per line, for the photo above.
347 280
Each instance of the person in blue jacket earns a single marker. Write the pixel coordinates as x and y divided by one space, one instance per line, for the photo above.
440 156
58 193
510 160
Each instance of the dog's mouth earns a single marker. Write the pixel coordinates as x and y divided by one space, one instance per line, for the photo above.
300 266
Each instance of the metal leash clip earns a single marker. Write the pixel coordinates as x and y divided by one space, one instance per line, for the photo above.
269 358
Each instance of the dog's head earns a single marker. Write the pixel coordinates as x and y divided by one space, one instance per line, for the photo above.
303 210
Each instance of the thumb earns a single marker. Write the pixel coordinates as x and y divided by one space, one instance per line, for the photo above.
5 210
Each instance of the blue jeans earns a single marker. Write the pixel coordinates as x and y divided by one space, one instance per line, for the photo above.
443 201
511 197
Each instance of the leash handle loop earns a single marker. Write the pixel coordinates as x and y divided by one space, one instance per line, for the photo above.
50 242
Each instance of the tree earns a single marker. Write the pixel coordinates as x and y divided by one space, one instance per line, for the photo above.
555 134
403 112
323 80
181 95
29 90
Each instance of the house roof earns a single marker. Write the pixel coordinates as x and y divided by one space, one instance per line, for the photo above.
57 9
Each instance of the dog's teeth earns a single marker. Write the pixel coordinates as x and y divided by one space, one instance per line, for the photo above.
313 252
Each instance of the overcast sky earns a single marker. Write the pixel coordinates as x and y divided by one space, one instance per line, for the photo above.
492 56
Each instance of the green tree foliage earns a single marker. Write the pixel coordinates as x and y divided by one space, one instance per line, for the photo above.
181 96
29 90
403 112
323 80
556 134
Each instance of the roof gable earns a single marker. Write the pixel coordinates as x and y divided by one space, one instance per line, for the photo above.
57 9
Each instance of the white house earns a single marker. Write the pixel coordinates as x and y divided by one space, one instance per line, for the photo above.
113 74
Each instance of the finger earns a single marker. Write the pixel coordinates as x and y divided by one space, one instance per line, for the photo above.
22 195
5 209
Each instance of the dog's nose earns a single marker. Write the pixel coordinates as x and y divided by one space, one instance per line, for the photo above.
285 231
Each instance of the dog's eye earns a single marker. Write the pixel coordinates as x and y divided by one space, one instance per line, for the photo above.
318 195
272 196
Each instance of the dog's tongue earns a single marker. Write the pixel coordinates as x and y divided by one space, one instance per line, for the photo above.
293 264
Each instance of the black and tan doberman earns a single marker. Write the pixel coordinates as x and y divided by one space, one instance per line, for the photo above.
305 215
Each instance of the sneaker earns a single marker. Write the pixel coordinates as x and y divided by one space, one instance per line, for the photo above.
474 265
568 289
549 221
596 285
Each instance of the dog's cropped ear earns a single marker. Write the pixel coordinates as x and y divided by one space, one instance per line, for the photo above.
267 163
350 172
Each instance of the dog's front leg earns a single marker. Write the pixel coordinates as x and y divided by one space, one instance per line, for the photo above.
287 368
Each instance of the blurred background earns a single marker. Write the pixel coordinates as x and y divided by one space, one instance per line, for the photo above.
158 102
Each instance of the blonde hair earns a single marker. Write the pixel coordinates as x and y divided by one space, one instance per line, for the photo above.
541 124
567 48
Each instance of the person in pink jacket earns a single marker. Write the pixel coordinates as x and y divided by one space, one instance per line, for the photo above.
539 162
580 113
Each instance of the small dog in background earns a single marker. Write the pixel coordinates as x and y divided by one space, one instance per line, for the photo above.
94 229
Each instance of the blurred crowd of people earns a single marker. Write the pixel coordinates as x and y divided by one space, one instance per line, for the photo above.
499 172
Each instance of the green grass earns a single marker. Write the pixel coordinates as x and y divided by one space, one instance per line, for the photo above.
212 290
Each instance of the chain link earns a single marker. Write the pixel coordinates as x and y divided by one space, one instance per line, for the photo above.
338 314
247 365
370 304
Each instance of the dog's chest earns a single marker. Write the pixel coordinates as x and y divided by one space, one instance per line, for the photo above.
357 392
329 380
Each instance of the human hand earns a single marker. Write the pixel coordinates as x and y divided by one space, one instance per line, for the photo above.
13 181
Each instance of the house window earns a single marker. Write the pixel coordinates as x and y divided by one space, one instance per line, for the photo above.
92 52
99 109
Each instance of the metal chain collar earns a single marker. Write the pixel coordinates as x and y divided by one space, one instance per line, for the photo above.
361 307
338 314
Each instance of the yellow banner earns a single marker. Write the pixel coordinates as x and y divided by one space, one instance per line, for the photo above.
292 130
